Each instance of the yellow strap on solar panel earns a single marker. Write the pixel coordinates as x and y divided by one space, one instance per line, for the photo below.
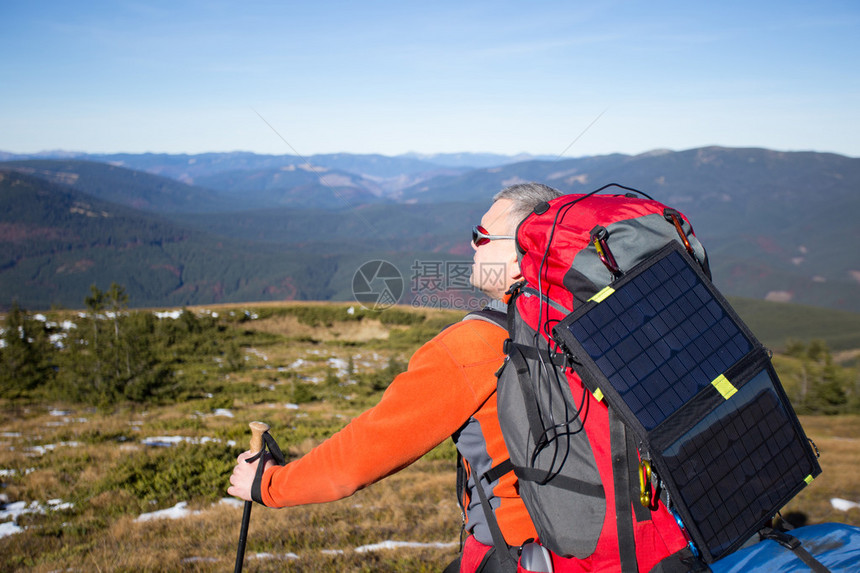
724 387
603 294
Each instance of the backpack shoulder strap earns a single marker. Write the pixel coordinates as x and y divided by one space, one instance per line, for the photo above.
502 550
487 314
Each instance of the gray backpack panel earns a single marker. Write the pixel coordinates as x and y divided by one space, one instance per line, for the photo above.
560 461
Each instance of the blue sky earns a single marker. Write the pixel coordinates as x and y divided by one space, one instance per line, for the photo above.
429 77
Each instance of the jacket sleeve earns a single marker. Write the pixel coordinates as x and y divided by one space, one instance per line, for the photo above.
446 381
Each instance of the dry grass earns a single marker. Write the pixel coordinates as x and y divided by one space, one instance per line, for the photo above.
415 505
100 531
83 448
352 331
838 440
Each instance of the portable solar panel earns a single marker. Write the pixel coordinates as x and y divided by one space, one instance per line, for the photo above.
664 348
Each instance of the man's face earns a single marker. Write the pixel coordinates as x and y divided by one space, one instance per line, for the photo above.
495 267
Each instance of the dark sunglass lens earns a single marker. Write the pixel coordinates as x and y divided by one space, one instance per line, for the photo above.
478 236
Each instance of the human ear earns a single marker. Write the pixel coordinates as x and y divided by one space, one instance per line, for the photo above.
513 268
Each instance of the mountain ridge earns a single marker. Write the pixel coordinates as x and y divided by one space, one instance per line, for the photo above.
777 225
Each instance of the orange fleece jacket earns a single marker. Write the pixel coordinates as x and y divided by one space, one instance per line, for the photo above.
447 381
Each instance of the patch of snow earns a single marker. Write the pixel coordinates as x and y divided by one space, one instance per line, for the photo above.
172 314
178 511
339 365
57 340
231 501
168 441
844 504
9 528
199 560
291 406
257 353
398 544
59 413
16 509
42 450
273 556
59 504
223 412
19 508
10 473
779 296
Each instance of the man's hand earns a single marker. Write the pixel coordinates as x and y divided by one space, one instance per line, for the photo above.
243 475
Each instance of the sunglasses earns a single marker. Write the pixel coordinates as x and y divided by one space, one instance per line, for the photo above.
480 236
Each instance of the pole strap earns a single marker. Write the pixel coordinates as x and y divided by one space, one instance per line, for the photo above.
277 456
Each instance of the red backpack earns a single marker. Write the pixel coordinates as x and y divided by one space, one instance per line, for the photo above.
592 474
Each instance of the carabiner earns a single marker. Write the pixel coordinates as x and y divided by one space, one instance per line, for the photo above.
645 494
599 235
674 217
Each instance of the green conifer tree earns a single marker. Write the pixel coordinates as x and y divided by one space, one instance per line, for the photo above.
25 356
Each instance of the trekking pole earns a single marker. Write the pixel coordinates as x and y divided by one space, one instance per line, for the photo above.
257 445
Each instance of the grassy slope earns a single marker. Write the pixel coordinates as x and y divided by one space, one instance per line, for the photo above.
775 323
100 465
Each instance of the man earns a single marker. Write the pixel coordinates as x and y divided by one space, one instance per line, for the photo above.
448 390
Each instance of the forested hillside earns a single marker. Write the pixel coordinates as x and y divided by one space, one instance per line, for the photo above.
57 242
777 226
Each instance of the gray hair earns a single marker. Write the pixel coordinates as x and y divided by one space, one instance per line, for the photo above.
525 197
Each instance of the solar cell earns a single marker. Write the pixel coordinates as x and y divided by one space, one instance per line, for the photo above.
668 352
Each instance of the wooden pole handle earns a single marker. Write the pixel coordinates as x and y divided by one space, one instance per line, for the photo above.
257 431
